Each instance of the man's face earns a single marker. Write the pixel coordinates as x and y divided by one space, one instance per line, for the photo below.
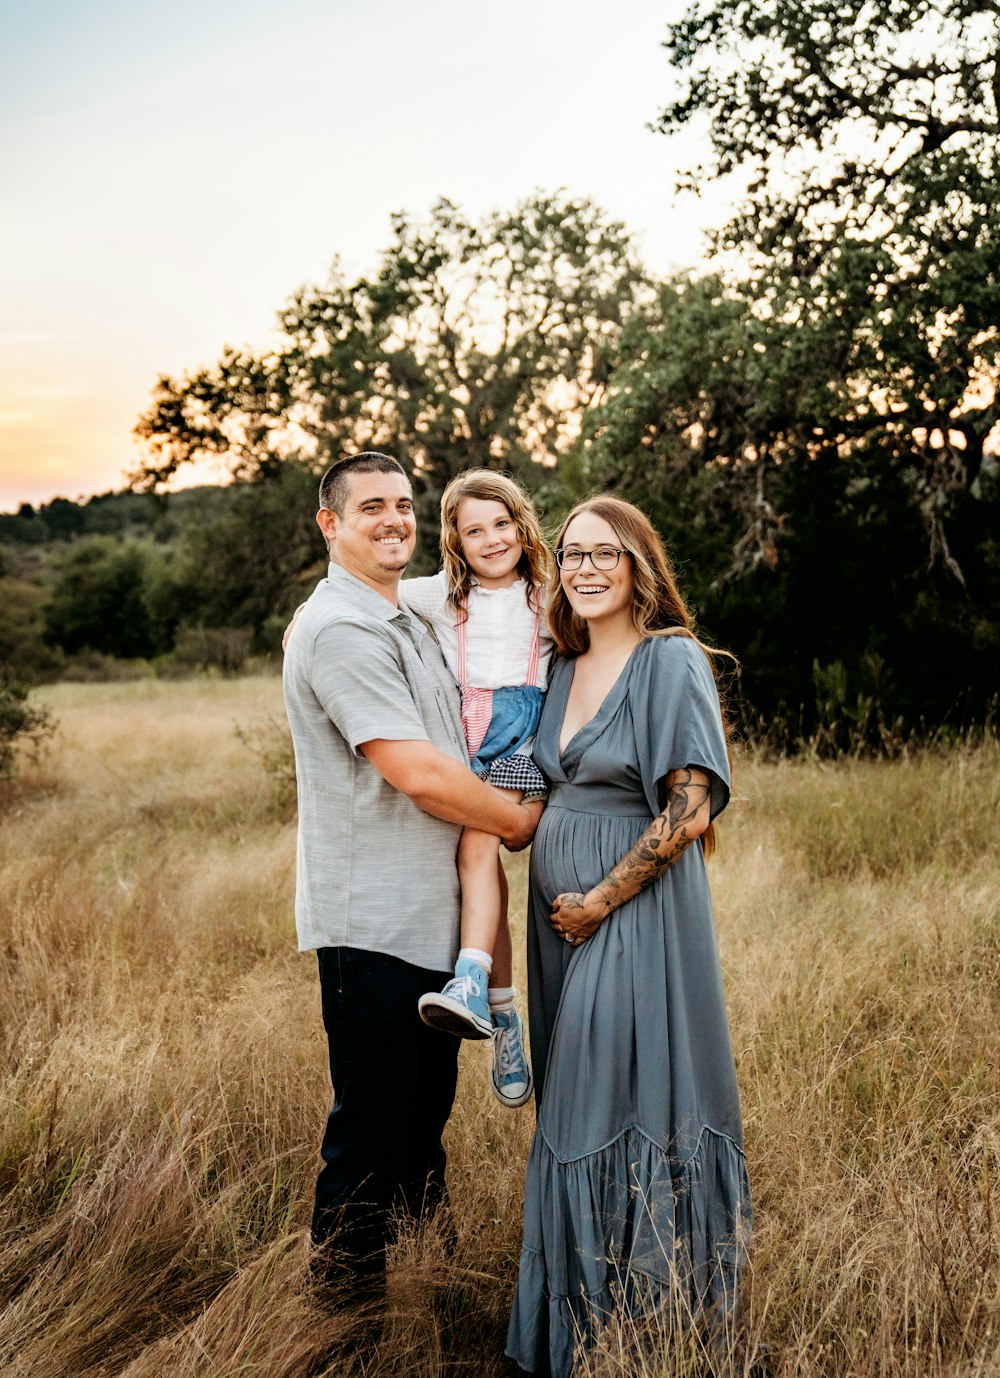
375 537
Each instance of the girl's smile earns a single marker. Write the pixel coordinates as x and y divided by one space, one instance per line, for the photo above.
490 542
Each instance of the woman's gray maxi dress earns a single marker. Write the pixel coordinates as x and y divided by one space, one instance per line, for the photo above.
636 1174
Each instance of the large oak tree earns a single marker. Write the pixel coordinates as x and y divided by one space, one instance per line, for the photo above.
869 138
473 342
815 425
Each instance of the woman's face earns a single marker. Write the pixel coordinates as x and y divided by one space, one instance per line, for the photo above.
597 595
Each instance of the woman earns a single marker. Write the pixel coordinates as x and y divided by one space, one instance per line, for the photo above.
636 1197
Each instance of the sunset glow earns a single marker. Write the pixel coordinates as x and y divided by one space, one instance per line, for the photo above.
171 175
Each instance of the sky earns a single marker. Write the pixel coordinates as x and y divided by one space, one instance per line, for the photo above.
169 175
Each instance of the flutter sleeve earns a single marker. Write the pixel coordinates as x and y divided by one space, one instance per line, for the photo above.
679 721
427 597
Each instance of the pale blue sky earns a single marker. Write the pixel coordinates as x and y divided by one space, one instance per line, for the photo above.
170 174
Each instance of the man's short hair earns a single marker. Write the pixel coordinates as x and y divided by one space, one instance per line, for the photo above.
335 484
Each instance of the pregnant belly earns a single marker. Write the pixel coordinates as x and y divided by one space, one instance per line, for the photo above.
574 851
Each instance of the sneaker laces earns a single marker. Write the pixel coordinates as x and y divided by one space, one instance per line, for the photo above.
510 1055
462 988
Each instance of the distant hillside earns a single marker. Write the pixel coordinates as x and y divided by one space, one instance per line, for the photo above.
124 513
206 577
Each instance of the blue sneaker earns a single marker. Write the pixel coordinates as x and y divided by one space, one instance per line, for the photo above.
462 1008
510 1074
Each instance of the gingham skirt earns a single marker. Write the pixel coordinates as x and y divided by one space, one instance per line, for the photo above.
517 772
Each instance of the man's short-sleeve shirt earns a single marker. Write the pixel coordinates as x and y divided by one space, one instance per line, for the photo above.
374 871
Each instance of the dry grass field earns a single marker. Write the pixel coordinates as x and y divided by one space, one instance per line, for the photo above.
164 1077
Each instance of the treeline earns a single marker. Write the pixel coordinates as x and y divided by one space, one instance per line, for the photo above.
845 635
130 582
813 424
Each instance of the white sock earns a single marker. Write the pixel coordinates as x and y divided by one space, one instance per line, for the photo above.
475 954
501 999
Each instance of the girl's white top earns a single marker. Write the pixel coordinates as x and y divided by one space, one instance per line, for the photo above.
498 633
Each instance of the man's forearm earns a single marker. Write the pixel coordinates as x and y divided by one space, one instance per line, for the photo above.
443 787
453 793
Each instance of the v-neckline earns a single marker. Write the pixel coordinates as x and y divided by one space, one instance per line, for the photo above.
612 697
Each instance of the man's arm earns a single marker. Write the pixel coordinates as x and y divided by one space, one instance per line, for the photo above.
448 790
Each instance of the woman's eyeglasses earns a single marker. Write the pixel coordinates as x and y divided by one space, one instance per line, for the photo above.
601 557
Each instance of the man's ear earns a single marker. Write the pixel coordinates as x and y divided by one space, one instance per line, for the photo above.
327 523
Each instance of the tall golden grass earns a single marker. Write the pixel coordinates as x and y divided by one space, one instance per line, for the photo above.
164 1081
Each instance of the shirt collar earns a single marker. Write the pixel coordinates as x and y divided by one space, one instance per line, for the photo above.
474 583
362 596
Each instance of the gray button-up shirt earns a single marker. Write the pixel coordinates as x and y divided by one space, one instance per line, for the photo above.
373 870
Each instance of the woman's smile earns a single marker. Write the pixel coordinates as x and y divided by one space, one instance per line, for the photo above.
596 593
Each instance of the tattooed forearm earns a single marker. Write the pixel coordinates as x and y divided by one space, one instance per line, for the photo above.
683 820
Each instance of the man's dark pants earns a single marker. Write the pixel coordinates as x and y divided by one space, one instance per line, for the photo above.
394 1085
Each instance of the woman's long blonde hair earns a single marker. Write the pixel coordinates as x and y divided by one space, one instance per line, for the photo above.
535 562
657 606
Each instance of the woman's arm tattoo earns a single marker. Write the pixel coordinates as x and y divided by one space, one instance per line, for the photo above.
661 844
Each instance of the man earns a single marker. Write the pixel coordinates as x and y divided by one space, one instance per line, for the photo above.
384 789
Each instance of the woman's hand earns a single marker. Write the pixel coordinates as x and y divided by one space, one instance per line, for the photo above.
576 917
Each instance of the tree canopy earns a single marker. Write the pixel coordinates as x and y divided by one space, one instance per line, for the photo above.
472 343
813 423
870 232
835 108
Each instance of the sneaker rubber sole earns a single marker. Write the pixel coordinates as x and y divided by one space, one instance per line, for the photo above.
513 1103
510 1061
451 1016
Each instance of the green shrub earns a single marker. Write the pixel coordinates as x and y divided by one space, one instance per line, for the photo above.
225 649
21 724
271 742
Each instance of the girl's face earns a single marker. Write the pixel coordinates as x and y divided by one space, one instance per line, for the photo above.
488 536
596 594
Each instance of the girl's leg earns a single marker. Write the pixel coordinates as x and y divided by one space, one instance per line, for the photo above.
482 896
479 1001
510 1074
462 1008
502 974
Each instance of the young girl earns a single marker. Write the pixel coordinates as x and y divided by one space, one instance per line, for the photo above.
485 609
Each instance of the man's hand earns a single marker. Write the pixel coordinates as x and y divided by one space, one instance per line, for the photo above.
291 627
530 815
